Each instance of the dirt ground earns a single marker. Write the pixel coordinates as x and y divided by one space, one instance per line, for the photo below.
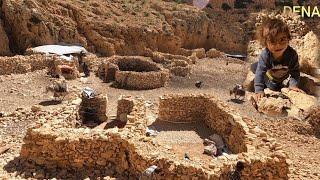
300 142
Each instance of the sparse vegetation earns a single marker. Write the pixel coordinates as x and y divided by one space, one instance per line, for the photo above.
282 3
180 1
242 4
225 7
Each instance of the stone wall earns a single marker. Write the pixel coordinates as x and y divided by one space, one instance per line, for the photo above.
22 64
134 72
207 110
132 110
94 109
129 152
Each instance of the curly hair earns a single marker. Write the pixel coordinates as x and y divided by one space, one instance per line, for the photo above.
269 29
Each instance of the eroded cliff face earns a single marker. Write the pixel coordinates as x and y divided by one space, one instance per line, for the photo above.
4 41
120 27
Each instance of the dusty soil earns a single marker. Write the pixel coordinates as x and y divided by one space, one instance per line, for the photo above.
126 27
297 137
183 138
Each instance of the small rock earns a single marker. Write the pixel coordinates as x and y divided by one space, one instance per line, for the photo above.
211 150
186 156
36 108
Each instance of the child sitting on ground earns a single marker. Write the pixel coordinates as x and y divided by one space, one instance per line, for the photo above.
277 61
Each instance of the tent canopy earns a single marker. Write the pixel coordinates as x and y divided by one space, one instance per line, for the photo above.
59 49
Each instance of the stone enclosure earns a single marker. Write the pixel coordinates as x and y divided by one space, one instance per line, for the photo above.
129 152
133 72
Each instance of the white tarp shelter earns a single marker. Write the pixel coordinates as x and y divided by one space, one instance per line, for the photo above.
64 51
59 49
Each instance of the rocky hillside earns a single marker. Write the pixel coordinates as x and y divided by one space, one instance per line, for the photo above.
123 27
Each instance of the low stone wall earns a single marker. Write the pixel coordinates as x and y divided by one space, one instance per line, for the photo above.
94 109
180 68
134 72
23 64
205 109
221 119
132 110
129 152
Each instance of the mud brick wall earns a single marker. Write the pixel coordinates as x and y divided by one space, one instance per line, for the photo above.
95 108
22 64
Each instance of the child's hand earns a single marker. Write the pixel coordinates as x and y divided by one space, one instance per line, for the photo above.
294 88
259 95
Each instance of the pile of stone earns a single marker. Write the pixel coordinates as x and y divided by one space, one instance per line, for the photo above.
214 53
296 25
179 68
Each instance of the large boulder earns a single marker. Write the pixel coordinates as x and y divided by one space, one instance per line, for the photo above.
273 106
300 100
310 85
286 103
308 48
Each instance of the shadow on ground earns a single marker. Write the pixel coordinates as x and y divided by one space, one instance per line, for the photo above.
28 169
49 103
199 127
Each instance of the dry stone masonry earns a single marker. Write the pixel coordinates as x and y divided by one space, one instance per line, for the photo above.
127 151
93 109
23 64
133 72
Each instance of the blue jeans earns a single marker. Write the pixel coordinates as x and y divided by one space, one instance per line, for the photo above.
268 83
273 85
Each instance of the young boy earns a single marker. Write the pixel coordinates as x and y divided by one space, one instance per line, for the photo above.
277 61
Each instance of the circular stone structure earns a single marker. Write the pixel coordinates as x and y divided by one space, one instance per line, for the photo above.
135 72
